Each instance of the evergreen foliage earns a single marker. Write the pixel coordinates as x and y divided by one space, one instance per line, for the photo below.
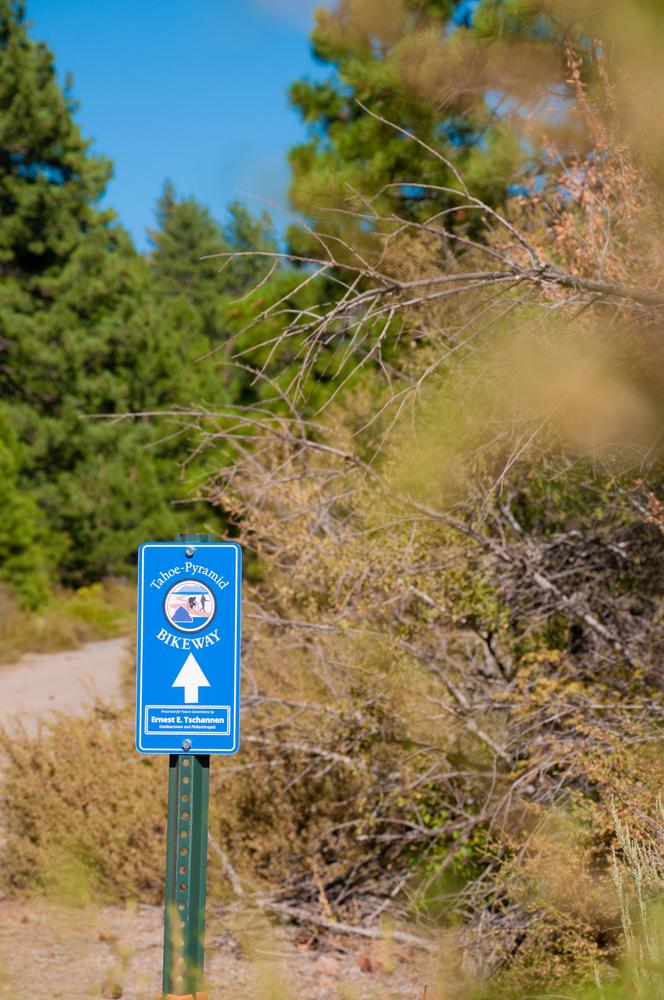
25 549
187 235
89 327
416 64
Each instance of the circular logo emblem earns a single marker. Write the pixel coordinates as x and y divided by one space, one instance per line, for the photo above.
189 605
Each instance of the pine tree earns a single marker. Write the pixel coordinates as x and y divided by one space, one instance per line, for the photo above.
415 63
82 331
49 182
184 261
185 233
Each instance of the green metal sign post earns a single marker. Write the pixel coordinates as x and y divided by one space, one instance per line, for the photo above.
186 866
186 871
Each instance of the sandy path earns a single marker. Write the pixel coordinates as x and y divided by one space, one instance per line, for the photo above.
49 951
43 682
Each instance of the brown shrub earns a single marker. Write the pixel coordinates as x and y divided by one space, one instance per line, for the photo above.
82 812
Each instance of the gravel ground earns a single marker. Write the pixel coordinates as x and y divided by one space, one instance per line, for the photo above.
47 950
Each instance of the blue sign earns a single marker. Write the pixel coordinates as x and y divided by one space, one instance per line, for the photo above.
188 655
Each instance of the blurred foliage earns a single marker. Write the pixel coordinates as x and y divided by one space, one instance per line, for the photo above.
470 533
66 619
414 63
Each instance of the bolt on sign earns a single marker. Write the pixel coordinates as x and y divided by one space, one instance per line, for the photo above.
188 655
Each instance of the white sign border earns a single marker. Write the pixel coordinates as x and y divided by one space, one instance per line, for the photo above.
236 649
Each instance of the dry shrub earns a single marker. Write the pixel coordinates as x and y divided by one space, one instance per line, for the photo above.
461 533
84 815
505 695
314 808
560 869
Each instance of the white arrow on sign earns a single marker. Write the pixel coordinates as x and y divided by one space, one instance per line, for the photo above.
191 677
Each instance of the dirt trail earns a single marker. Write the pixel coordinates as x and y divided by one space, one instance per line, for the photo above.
42 682
49 951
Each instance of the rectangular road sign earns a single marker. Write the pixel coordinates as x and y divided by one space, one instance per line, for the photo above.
188 654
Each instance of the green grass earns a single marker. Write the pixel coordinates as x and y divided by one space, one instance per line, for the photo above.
69 619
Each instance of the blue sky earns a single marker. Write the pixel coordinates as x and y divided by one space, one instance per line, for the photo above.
192 90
